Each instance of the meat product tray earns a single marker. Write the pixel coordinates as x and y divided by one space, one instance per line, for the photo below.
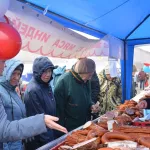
54 145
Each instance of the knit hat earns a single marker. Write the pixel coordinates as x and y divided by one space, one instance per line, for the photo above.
84 66
111 70
107 71
20 68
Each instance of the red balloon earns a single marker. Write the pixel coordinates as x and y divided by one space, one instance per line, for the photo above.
10 41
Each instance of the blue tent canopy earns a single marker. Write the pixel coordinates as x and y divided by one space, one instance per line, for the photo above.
127 20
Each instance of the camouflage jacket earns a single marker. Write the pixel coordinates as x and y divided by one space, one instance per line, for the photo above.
110 93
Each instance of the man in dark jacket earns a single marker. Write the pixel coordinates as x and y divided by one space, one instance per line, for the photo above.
39 98
73 95
95 88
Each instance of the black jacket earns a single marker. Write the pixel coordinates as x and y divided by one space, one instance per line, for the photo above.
39 97
95 87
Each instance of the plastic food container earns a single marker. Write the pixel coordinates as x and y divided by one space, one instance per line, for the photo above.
110 124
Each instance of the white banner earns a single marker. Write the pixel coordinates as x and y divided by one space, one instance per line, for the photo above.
44 36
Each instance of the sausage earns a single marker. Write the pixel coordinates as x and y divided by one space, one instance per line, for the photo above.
106 148
124 119
145 141
133 102
74 138
90 126
129 111
94 126
136 136
115 135
82 132
137 113
91 134
122 107
103 125
96 133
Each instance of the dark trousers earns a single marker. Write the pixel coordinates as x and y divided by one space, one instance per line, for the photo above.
33 145
142 82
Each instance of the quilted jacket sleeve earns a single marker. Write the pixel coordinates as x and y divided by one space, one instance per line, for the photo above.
22 129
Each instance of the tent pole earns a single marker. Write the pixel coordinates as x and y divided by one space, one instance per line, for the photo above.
124 76
125 55
126 71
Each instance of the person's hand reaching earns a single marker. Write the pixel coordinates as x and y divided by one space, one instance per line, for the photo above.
50 123
95 108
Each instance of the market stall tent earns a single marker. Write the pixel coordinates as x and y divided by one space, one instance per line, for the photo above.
127 20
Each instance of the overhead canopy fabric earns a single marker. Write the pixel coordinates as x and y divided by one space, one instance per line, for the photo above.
117 18
44 36
127 20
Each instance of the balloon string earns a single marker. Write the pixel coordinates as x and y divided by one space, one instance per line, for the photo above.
7 20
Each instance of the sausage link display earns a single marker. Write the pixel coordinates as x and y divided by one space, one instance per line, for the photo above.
145 141
115 135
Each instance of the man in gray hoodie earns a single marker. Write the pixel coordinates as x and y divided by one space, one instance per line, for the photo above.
18 130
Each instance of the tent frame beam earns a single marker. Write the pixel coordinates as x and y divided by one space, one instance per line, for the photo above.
137 26
139 39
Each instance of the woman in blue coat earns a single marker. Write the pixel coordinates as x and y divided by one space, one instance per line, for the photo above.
39 98
13 105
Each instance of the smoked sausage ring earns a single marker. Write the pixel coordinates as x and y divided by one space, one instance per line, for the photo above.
115 135
95 133
145 141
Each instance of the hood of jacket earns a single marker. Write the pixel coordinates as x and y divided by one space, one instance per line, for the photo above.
40 65
59 70
10 66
